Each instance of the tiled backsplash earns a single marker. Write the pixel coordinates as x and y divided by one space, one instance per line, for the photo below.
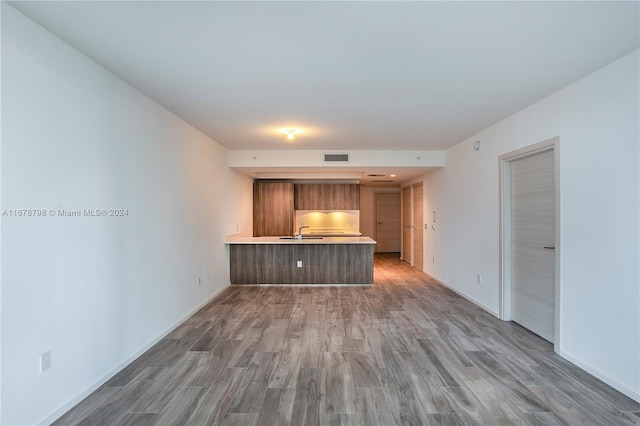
347 221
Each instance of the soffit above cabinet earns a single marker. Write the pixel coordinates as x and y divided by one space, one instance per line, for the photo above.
365 167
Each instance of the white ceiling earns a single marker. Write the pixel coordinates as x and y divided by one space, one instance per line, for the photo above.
353 75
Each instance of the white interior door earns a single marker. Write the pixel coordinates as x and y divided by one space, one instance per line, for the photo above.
388 226
407 226
418 237
533 243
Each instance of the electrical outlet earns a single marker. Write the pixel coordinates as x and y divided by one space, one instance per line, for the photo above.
199 281
479 278
45 361
237 228
299 264
433 259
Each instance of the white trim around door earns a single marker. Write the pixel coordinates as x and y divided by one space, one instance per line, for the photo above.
506 227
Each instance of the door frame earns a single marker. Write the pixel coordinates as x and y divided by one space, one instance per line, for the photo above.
505 160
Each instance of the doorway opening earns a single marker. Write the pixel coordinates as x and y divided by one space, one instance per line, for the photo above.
530 239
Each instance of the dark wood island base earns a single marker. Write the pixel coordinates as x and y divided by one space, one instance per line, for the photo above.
302 262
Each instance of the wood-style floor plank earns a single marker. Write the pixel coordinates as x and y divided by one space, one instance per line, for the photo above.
97 399
120 404
406 351
139 419
277 407
308 403
339 388
373 408
212 407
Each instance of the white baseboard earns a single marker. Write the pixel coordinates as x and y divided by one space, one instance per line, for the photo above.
460 293
631 393
111 373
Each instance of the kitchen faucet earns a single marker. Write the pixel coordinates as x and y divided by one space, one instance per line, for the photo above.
299 234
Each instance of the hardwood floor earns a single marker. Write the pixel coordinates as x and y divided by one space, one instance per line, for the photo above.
406 351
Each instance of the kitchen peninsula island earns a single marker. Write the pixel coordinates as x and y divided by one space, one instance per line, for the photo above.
284 260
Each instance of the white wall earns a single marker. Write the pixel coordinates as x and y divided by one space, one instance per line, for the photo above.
597 121
94 290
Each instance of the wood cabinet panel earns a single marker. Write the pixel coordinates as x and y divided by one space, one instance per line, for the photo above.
327 196
272 209
321 263
303 195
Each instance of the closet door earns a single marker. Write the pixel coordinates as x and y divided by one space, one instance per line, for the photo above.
418 239
532 243
406 224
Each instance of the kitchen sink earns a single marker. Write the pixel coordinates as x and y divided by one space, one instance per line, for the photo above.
304 238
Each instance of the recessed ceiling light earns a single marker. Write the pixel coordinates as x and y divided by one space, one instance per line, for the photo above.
392 175
291 132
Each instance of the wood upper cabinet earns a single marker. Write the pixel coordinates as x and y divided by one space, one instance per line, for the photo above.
272 209
327 196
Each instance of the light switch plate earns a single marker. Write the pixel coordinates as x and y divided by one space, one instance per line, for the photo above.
45 361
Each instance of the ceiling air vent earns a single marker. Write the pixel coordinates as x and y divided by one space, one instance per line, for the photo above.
336 157
375 175
381 181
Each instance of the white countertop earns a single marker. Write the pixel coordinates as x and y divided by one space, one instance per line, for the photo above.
277 240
